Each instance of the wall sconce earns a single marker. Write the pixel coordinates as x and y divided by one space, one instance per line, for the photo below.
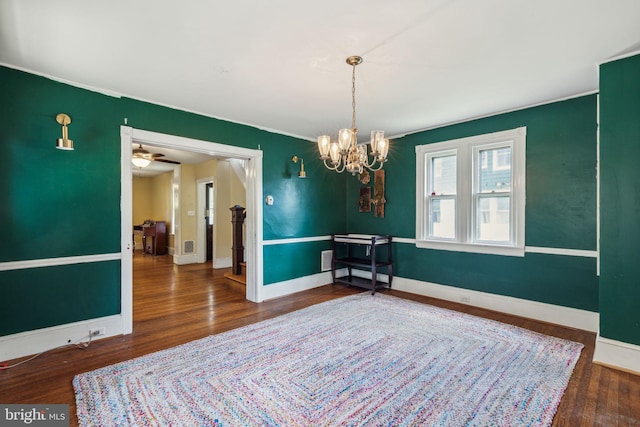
302 173
64 143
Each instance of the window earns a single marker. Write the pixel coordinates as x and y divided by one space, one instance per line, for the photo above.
442 202
471 194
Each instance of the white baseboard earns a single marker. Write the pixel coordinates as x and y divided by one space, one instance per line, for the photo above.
608 352
566 316
280 289
222 263
39 340
185 259
617 354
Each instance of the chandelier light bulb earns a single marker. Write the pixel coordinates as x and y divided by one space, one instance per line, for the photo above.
335 153
345 137
383 150
324 143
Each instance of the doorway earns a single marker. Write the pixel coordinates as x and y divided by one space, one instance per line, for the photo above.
253 224
208 220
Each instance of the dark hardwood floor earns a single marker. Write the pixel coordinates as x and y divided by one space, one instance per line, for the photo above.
176 304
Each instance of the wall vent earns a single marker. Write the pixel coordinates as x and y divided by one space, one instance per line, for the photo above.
325 260
189 246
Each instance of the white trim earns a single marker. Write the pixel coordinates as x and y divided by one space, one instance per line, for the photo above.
223 262
529 249
65 81
39 340
126 227
621 56
52 262
561 251
617 354
475 248
148 101
287 287
411 241
497 113
303 137
466 151
213 149
296 240
185 259
253 227
253 222
365 274
598 183
566 316
176 193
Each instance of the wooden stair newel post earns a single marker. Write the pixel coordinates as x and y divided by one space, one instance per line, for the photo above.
237 219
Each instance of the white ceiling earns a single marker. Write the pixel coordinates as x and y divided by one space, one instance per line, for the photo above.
280 64
158 167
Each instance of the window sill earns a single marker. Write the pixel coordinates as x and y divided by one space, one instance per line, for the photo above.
471 247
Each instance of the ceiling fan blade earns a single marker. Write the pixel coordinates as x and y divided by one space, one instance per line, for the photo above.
167 161
156 155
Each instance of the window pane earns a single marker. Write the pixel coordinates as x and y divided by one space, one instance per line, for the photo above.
493 215
495 170
443 175
442 218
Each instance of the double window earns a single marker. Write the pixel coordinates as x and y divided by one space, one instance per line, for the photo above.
471 194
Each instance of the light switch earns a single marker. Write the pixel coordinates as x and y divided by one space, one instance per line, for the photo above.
191 213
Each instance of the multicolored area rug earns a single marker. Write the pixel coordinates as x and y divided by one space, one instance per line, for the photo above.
358 360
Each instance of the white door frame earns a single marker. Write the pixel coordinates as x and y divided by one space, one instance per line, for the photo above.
253 222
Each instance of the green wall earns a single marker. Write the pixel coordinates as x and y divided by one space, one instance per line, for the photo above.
60 204
560 209
55 203
620 200
289 261
36 298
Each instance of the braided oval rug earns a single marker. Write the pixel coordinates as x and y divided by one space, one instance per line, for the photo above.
358 360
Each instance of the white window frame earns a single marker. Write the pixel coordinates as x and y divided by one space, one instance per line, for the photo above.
467 174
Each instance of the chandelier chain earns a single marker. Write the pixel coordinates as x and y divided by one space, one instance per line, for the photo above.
353 98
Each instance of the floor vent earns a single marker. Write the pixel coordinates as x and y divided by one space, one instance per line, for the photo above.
189 246
325 261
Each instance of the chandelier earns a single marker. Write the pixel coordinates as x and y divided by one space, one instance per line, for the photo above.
346 153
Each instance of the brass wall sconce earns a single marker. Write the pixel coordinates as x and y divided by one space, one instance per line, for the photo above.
64 143
302 173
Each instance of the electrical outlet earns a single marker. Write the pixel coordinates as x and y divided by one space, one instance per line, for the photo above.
97 332
465 299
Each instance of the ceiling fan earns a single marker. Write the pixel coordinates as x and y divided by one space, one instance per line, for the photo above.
142 158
